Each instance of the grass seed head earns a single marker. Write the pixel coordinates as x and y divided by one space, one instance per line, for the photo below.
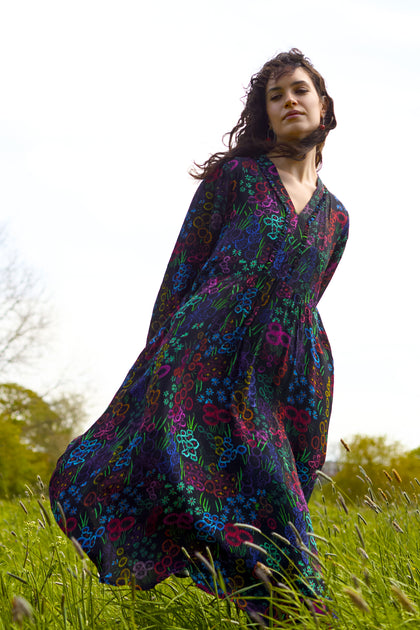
396 475
28 491
343 503
88 572
405 602
282 538
366 576
357 599
63 516
44 513
362 553
324 476
21 609
410 572
397 527
406 497
23 506
204 561
257 619
296 533
257 547
346 446
246 526
373 506
387 475
78 547
365 475
185 552
313 611
16 577
359 534
318 537
310 553
383 495
361 518
263 569
264 574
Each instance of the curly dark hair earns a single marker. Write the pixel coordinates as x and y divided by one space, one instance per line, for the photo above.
249 137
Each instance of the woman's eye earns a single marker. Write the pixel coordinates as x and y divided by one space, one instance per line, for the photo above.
301 91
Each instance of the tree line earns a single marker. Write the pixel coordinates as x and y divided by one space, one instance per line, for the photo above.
374 462
33 431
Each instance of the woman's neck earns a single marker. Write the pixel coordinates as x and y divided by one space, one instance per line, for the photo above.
302 171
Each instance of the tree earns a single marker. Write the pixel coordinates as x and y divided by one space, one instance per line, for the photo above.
34 434
23 320
34 431
19 464
375 454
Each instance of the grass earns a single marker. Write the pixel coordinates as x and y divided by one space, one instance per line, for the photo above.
370 551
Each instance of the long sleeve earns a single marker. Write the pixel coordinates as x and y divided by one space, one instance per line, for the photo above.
338 248
195 243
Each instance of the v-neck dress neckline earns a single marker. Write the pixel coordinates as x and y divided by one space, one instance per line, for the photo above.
275 180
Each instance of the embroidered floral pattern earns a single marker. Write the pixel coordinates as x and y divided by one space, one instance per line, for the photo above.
224 416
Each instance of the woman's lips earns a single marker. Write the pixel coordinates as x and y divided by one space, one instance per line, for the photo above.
292 114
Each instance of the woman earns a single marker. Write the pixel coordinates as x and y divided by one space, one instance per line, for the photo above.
223 418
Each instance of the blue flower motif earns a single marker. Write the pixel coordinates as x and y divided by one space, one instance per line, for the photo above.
123 505
300 397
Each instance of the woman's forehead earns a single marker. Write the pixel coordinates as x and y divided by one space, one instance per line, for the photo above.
285 76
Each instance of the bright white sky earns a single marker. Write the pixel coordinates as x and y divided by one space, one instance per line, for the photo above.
105 105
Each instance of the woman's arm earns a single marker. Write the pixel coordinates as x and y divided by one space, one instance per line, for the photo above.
339 246
195 243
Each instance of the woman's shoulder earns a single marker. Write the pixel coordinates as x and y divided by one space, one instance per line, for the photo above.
234 167
337 205
338 209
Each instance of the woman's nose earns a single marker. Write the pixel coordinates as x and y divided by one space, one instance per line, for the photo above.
290 100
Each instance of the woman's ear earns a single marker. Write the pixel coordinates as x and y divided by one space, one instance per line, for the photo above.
323 105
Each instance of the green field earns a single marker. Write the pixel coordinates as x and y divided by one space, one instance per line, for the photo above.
369 550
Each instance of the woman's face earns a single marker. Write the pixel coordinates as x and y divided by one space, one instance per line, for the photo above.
294 107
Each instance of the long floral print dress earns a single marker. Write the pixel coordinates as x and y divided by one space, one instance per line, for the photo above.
223 418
